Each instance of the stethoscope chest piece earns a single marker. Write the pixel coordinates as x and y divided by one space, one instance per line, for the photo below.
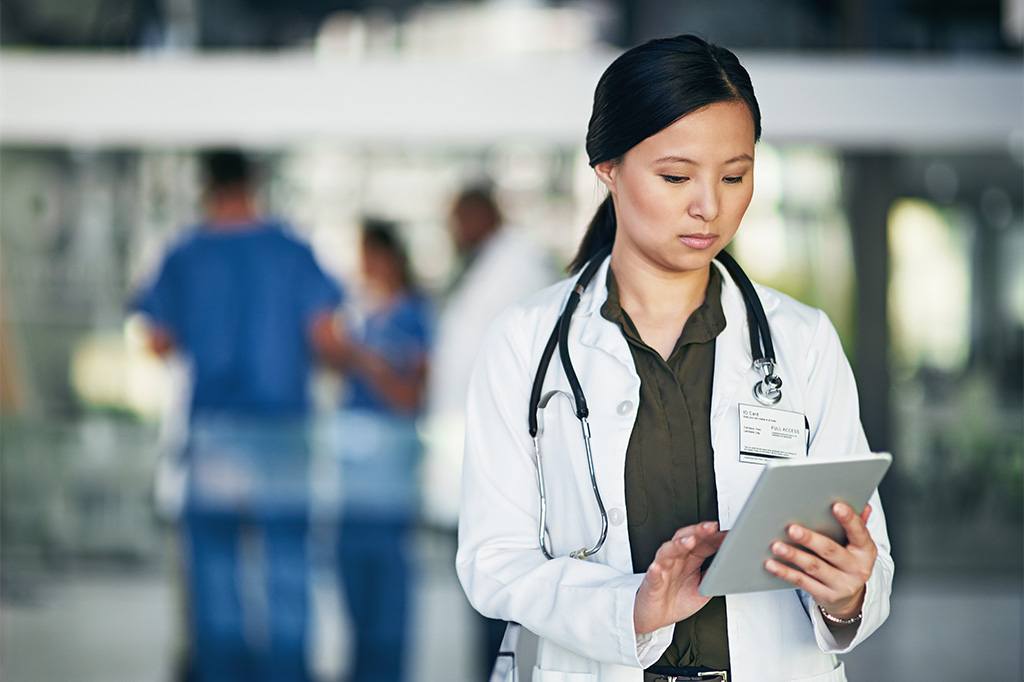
767 391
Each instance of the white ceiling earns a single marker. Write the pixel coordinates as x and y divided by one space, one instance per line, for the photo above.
97 100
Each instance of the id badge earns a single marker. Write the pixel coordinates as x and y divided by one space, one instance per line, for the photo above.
768 434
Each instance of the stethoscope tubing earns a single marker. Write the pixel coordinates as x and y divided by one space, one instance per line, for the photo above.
767 391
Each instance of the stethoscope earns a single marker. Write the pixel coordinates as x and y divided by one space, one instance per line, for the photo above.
767 390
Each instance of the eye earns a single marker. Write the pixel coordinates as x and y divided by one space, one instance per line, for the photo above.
733 179
675 179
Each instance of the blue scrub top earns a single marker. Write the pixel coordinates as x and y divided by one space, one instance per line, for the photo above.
239 305
401 334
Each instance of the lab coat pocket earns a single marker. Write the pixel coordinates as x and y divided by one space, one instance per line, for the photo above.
838 674
555 676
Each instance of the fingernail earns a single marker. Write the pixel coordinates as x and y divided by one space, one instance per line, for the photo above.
795 532
841 510
780 548
770 565
710 525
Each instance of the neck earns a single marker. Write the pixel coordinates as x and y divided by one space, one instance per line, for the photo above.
226 212
383 294
649 292
478 241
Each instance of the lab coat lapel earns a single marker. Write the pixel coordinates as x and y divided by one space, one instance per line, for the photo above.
733 362
596 331
734 380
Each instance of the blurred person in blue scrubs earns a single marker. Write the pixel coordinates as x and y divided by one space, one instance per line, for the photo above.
385 369
246 305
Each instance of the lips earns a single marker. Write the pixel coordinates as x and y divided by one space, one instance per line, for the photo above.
698 241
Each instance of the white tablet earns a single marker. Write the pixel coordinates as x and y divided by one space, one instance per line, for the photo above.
800 491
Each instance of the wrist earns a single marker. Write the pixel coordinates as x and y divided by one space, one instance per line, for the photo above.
643 620
846 610
641 624
833 620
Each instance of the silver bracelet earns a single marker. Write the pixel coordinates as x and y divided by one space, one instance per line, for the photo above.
839 621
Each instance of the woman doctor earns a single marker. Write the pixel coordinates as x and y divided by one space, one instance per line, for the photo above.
661 346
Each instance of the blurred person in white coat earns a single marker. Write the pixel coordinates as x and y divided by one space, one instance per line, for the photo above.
658 330
497 266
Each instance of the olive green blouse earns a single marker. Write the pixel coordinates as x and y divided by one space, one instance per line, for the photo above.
670 473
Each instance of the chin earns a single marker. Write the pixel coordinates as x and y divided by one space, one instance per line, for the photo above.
690 260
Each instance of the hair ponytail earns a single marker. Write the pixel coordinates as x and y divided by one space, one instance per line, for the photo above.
599 235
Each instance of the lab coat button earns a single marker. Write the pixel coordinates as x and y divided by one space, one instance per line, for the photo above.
625 407
616 517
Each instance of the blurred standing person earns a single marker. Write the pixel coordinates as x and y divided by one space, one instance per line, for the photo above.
248 308
385 364
497 266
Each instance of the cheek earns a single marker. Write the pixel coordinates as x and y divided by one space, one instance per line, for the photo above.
735 206
652 201
373 266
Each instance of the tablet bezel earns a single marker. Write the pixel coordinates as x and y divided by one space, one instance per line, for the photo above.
792 491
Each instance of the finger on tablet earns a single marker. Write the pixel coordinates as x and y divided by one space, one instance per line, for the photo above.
813 587
717 539
856 532
705 528
809 563
705 547
822 545
675 549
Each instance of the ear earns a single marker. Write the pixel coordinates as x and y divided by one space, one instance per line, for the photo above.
606 172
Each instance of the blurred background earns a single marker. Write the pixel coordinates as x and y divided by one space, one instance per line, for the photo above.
889 192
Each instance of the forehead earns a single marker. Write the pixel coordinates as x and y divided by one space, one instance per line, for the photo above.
712 134
471 203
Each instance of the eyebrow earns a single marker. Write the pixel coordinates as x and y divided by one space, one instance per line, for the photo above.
683 159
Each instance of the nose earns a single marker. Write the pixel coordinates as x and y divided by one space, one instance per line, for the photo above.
704 205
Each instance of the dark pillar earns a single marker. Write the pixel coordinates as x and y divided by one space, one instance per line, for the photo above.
868 194
869 188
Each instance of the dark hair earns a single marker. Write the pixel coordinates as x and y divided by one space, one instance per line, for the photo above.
225 169
645 90
480 194
382 234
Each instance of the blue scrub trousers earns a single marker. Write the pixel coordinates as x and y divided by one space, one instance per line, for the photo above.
231 637
244 531
375 574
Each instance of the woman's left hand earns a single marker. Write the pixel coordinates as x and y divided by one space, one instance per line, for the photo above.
834 575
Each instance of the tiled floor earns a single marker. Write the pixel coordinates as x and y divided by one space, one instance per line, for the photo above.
946 630
119 626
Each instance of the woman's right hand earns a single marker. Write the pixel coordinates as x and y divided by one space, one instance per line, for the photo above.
669 593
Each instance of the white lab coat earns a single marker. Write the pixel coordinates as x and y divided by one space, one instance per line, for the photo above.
508 269
583 610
